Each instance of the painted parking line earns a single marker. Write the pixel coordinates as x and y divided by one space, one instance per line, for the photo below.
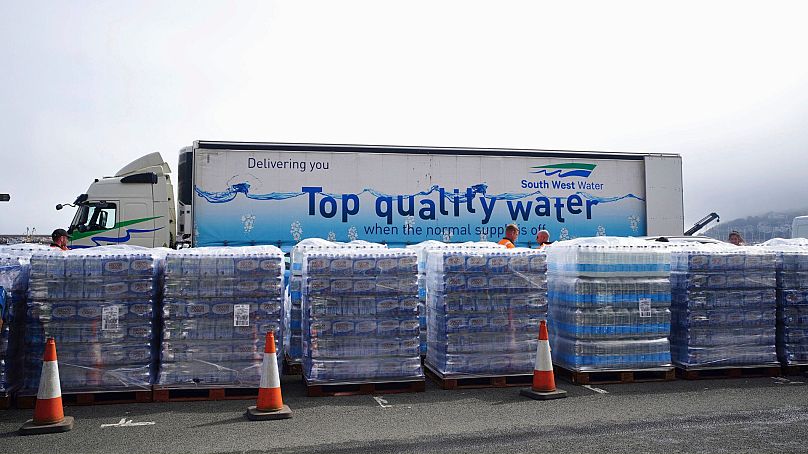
597 390
128 423
381 401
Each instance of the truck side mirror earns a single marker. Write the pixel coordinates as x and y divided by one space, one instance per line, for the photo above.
59 206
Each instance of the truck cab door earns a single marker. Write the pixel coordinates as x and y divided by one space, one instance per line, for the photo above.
95 224
141 231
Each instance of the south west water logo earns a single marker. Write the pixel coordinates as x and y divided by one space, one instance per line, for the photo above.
570 169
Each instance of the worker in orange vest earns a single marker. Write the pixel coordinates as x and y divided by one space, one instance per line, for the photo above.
511 234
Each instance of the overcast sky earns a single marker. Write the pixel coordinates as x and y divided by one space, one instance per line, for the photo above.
86 87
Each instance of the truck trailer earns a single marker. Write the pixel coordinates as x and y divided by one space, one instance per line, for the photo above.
246 193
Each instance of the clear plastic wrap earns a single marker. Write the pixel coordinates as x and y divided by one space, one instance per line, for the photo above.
7 354
610 256
792 299
483 310
14 276
582 354
219 303
360 315
100 305
422 249
609 304
293 325
724 307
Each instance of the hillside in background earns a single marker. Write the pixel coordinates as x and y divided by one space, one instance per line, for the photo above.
757 229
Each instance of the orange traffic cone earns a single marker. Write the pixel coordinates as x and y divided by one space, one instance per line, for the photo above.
270 403
49 416
544 387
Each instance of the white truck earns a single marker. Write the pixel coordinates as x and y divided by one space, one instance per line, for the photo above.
238 193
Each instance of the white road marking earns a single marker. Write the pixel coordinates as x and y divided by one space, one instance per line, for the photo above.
597 390
381 401
128 423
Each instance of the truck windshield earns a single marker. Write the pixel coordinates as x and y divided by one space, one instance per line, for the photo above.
94 217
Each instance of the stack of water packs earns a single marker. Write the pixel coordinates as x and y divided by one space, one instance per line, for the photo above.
609 304
293 343
13 283
100 306
422 249
219 303
792 299
360 316
15 266
723 307
484 308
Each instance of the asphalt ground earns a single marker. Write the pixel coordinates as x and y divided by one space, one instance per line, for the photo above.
738 415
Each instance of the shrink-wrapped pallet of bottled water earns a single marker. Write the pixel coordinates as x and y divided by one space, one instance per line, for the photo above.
219 303
7 353
293 343
724 307
14 275
100 305
792 299
422 249
609 304
12 287
360 316
484 308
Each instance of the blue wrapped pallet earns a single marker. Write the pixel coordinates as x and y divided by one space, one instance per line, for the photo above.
100 305
10 283
293 303
14 275
360 316
609 305
792 299
483 310
219 303
724 307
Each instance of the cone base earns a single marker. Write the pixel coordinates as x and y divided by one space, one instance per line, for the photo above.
254 414
29 428
541 395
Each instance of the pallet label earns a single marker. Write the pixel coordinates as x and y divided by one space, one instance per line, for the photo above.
109 318
645 307
241 315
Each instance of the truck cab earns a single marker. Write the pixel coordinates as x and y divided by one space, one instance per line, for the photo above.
134 207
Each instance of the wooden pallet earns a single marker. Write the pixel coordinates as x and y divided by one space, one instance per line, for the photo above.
614 377
5 401
354 389
93 398
795 370
199 393
292 368
472 382
728 372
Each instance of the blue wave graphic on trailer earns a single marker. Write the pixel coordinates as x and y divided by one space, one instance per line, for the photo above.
477 190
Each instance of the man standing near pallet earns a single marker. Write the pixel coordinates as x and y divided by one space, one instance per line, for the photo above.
511 234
